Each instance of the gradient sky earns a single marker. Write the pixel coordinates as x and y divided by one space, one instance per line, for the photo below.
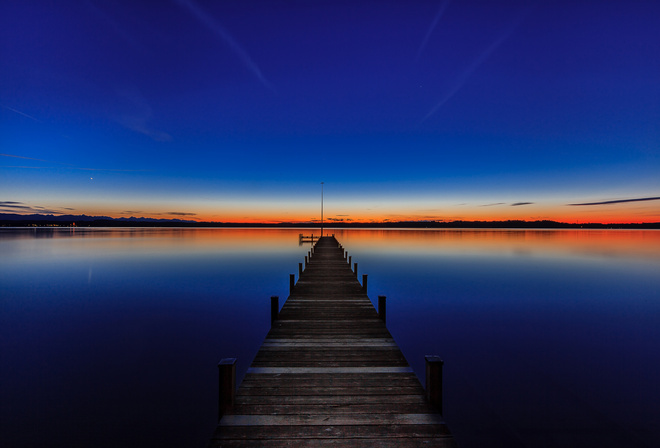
237 110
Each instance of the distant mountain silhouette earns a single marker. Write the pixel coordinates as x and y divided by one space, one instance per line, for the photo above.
16 220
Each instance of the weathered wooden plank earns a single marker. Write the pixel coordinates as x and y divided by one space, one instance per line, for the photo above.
335 431
331 420
346 409
330 400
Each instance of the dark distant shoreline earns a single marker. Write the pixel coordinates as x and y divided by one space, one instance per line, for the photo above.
14 220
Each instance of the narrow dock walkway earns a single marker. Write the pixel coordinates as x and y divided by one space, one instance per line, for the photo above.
330 374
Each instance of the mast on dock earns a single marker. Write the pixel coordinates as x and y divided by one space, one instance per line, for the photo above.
321 208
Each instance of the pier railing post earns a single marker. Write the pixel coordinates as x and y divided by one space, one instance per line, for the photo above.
306 262
227 385
300 269
292 282
364 283
434 381
274 309
382 308
349 260
355 264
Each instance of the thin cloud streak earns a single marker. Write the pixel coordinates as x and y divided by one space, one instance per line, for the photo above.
22 113
440 13
517 204
68 166
16 208
26 158
139 116
617 201
227 38
467 73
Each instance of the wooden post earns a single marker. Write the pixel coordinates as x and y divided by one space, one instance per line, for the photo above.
349 260
299 269
434 381
274 309
382 308
355 270
306 262
292 282
364 283
345 255
227 385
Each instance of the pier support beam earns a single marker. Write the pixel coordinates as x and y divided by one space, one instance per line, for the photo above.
292 282
274 309
382 308
364 283
434 381
227 385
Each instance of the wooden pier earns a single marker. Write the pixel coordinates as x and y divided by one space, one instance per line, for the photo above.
308 238
329 372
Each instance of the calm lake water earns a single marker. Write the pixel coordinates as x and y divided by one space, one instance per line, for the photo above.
110 337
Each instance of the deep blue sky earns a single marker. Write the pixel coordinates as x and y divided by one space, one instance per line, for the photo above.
237 110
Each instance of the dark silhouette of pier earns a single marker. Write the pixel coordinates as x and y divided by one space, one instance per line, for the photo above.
329 371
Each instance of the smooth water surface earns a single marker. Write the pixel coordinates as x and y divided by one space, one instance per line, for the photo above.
110 337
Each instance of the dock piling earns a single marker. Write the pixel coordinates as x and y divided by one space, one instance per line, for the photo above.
434 381
300 269
382 308
227 385
292 282
355 270
364 283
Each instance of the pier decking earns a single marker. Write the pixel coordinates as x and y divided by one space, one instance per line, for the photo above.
329 372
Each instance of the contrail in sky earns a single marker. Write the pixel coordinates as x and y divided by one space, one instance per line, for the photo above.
619 201
67 165
441 11
27 158
460 82
22 113
219 30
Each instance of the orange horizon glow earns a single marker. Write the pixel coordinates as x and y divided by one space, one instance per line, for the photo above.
364 211
330 220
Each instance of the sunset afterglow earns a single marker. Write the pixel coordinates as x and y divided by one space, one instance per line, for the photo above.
407 111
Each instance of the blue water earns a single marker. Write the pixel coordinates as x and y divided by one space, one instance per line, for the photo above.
110 337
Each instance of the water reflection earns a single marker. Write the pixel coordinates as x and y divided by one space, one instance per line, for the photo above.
550 338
